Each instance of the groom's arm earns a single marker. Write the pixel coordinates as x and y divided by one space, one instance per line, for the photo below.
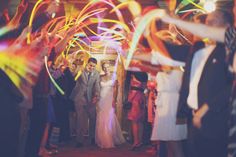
97 88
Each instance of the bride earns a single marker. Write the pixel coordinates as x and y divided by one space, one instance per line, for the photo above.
108 131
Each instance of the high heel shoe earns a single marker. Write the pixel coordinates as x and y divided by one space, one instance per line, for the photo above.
136 147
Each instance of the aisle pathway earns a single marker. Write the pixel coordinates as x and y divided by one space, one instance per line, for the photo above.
93 151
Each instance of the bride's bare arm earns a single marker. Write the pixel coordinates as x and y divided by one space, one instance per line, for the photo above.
115 93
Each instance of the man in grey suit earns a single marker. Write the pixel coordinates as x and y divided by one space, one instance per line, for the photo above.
86 95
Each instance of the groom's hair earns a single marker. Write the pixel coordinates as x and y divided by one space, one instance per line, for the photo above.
94 60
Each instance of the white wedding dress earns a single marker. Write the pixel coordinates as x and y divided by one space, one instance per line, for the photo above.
108 131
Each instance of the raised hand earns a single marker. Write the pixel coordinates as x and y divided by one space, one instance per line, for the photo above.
22 7
19 13
5 14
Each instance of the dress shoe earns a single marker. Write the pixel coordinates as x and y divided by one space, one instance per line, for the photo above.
136 147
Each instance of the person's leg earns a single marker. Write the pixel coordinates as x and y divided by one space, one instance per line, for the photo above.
175 147
24 123
42 150
81 124
92 124
45 135
147 127
190 146
154 149
211 147
140 131
38 117
163 149
65 131
53 136
135 132
72 120
170 152
9 133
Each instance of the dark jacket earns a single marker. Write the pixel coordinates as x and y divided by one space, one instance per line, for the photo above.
10 97
9 93
214 89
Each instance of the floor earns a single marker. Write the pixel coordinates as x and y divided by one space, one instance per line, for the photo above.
94 151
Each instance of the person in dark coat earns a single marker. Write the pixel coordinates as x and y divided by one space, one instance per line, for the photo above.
10 97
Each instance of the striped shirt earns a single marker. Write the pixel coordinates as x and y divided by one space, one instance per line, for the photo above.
232 131
230 43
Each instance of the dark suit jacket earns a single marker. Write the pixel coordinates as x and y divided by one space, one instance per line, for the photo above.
214 89
66 82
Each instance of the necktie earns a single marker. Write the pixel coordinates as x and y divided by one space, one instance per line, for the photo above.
89 74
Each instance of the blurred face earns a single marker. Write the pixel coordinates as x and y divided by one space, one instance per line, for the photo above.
62 68
90 66
76 62
106 68
214 19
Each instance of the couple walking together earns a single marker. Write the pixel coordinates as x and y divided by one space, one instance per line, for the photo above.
94 105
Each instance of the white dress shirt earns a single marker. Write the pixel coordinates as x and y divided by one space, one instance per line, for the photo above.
159 59
198 63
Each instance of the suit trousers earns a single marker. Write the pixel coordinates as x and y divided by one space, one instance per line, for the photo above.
38 120
199 145
86 121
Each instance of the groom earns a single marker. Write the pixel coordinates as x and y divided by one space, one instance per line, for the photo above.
86 95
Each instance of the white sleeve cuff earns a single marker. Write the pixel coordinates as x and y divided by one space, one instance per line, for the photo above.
158 58
154 58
